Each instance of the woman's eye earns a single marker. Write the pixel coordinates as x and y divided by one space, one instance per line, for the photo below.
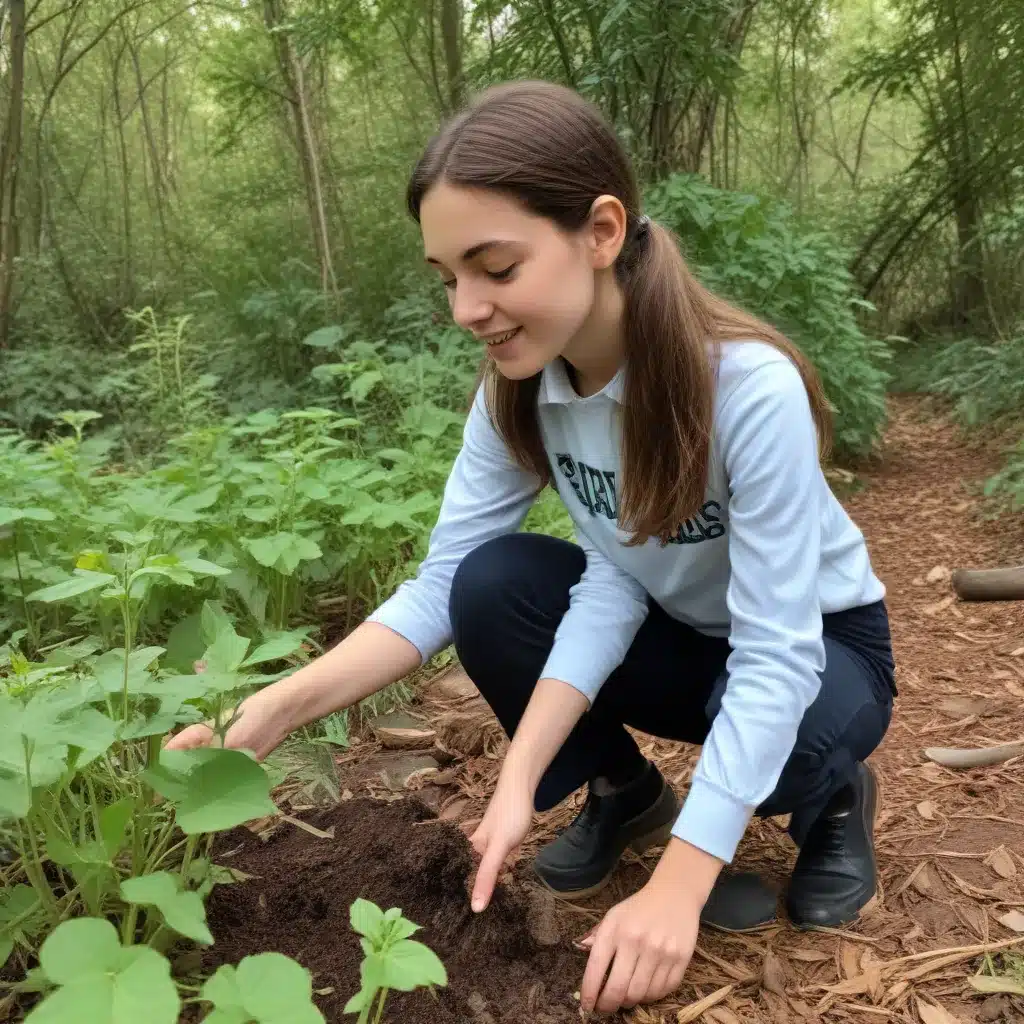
450 285
503 275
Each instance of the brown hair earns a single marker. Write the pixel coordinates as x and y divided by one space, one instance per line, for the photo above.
551 150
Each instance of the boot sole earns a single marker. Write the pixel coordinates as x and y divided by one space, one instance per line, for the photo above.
878 896
641 844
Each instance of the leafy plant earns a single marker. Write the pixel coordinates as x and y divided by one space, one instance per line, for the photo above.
392 959
755 252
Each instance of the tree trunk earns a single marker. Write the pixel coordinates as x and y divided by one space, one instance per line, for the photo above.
10 159
451 39
293 74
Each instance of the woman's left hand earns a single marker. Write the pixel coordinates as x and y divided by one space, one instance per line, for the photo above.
647 941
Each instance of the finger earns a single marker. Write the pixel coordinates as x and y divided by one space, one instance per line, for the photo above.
601 954
643 974
675 979
478 840
190 738
487 876
659 986
614 993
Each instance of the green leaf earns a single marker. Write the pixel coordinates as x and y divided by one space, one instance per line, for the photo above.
12 515
174 573
364 384
283 551
114 820
15 798
276 647
367 918
185 644
80 583
227 652
88 729
201 567
155 725
183 911
268 988
101 983
325 337
214 621
227 789
409 964
16 902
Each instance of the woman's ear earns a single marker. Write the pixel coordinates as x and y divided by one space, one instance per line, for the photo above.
606 231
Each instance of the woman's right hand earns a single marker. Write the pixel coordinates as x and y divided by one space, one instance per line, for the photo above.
261 726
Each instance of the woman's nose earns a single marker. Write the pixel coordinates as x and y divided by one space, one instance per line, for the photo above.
470 307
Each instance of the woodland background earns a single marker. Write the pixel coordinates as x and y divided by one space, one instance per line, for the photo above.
212 300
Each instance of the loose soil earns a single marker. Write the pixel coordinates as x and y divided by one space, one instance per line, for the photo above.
397 855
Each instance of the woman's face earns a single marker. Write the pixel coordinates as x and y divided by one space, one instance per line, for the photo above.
521 284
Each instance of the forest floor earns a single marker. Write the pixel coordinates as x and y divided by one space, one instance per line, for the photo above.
950 843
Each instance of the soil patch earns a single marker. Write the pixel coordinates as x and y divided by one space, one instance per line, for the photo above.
397 855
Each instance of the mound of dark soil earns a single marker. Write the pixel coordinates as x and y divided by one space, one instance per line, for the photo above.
397 855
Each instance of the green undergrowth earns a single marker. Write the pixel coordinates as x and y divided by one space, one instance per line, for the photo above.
984 382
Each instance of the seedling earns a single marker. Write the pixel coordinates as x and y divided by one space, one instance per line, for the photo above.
392 959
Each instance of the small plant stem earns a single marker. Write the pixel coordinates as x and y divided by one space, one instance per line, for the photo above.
29 624
157 850
32 862
380 1006
153 751
130 922
126 616
190 849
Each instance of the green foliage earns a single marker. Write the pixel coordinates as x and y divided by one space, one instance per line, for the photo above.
985 383
392 960
754 252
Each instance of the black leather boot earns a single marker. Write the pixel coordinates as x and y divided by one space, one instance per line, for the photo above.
638 815
836 875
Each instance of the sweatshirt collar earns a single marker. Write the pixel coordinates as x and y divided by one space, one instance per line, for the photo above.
557 389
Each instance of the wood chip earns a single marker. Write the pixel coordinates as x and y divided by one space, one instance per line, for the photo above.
695 1010
405 739
306 827
1018 653
935 1013
927 810
773 976
939 606
921 880
1000 861
939 574
808 956
964 707
850 957
722 1015
1014 920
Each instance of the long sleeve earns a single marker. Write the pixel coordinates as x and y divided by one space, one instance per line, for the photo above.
487 494
769 445
606 608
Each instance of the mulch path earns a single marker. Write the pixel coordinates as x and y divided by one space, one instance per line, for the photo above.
950 843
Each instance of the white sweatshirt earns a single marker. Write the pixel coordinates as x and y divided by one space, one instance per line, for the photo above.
770 551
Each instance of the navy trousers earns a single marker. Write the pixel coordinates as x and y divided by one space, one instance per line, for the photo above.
508 597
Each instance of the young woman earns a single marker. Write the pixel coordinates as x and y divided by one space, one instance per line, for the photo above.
719 593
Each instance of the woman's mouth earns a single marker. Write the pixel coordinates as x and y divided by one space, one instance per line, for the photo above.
497 340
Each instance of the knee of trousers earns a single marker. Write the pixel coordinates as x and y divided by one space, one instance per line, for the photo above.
503 580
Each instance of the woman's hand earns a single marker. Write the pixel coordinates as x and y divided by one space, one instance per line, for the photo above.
261 726
504 826
646 941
